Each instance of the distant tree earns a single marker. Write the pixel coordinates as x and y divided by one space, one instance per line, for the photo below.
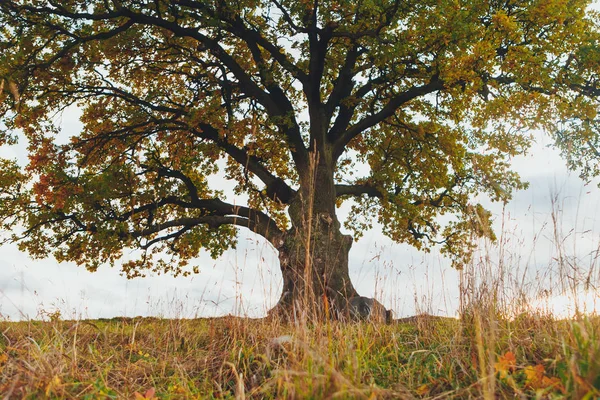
408 108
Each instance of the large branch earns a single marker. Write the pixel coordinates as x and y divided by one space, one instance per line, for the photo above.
276 188
78 40
388 110
276 106
318 40
255 42
251 36
358 190
288 18
245 80
344 84
268 231
140 210
347 110
214 213
272 103
260 222
271 233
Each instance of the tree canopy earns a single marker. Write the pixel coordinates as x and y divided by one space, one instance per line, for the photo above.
407 108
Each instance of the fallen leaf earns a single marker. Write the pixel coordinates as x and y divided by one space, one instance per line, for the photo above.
423 390
506 364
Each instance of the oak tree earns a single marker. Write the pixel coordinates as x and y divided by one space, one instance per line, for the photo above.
406 108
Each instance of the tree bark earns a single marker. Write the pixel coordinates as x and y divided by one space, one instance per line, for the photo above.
313 254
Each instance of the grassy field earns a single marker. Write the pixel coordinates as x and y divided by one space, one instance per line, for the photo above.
504 346
481 356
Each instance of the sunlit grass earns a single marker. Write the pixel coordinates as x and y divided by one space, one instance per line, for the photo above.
241 358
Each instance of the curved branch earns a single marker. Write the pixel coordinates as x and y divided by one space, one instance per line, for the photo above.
252 37
346 111
255 220
318 40
277 104
388 110
213 206
214 213
276 188
372 191
214 221
245 217
343 84
169 236
80 40
151 207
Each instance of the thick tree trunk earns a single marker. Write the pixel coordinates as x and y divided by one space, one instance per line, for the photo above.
314 256
315 279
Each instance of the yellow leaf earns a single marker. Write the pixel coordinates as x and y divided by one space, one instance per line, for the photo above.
149 395
536 378
423 390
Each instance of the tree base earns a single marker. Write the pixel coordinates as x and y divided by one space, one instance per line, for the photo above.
353 309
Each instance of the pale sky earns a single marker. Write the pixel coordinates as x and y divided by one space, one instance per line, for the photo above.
247 281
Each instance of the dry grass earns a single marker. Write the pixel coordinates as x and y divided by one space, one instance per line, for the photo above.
530 356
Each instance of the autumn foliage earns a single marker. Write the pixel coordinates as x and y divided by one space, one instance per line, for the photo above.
406 109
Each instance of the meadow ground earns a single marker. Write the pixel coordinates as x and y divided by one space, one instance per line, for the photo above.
506 344
483 355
